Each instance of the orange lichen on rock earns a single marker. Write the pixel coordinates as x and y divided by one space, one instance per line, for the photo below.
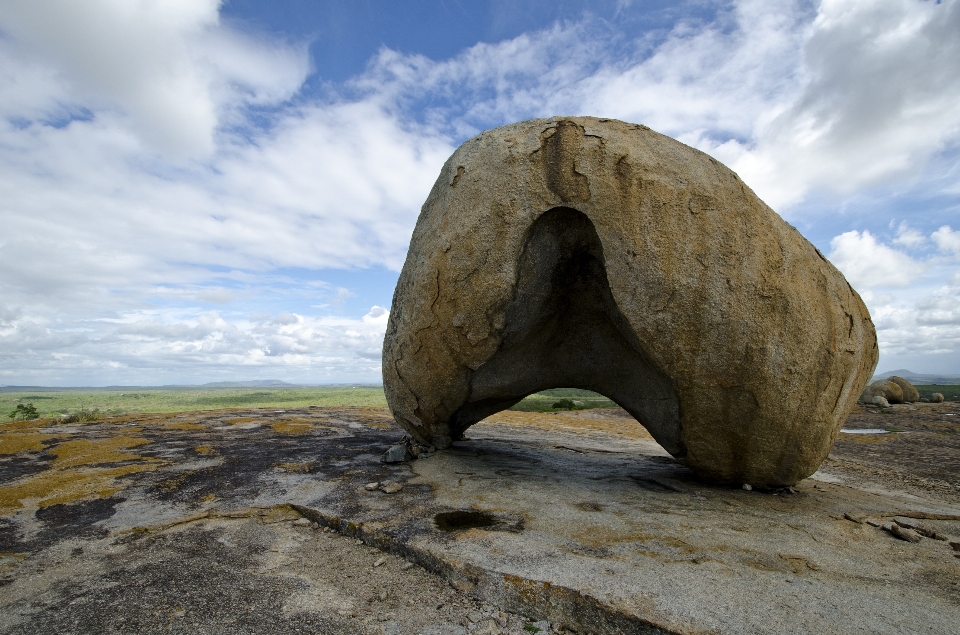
16 442
83 468
292 426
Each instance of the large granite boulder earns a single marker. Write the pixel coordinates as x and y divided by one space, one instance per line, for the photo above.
891 391
910 392
597 254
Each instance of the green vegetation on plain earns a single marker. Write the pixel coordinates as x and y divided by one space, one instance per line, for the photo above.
89 402
950 392
53 402
23 412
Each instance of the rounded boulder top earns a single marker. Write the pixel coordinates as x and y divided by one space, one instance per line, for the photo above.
592 253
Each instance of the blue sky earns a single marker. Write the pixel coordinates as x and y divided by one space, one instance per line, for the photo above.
198 191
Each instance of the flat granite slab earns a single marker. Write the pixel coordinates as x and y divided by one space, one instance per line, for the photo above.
201 522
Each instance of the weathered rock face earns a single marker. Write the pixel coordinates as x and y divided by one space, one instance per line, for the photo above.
592 253
910 393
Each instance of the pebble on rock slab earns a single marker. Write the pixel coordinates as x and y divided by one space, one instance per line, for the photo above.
391 488
370 487
302 522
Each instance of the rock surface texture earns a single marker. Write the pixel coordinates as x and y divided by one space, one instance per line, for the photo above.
597 254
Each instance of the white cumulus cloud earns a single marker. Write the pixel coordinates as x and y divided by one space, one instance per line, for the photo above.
867 263
947 239
169 67
136 187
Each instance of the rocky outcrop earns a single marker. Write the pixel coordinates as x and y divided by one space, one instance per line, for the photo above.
910 394
592 253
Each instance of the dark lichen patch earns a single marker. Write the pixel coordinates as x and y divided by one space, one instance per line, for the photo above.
464 519
76 519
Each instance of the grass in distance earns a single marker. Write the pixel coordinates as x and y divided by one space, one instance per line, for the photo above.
950 392
52 402
561 399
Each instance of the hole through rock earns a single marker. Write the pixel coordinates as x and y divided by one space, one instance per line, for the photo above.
564 328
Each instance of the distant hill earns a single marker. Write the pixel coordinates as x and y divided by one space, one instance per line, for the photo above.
919 378
256 383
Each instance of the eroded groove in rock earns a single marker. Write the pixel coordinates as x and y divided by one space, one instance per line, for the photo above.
581 252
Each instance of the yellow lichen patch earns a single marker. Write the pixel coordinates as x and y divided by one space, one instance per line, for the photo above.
97 451
294 467
292 426
204 449
15 442
73 476
239 420
53 487
28 424
183 425
577 421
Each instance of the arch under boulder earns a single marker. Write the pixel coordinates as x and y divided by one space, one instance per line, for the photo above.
593 253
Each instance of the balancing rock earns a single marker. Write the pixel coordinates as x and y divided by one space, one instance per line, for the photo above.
597 254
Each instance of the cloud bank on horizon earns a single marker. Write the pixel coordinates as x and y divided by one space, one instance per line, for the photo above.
186 197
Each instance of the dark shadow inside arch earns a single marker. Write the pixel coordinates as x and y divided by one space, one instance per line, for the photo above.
564 329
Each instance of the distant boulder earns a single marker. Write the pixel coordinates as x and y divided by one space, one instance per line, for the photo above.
883 388
910 394
936 397
880 402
